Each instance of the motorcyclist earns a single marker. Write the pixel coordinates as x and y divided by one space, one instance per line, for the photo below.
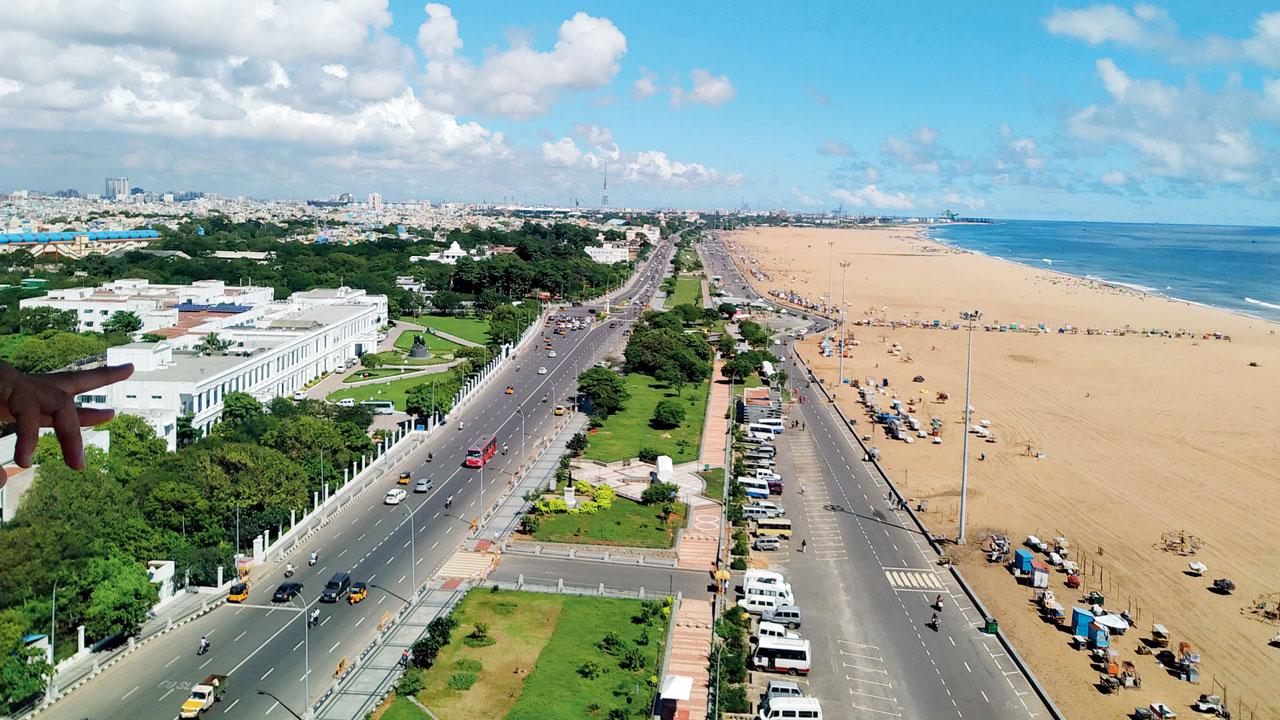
204 644
315 616
448 502
430 457
314 558
288 569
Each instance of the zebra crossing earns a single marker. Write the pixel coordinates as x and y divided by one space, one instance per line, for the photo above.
914 579
825 541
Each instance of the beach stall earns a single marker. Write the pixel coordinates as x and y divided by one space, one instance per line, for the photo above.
1080 619
1022 559
1039 574
1099 636
1113 623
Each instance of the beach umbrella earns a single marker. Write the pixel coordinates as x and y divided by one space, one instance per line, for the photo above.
1113 622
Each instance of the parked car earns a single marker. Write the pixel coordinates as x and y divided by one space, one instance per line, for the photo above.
395 496
786 615
767 542
286 592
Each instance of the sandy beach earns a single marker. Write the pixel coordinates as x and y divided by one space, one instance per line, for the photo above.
1104 432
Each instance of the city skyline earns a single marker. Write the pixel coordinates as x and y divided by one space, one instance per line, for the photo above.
1156 113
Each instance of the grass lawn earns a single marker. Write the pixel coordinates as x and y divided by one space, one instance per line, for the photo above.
628 430
688 291
468 328
715 483
434 343
557 688
393 390
378 374
532 670
626 523
521 623
401 709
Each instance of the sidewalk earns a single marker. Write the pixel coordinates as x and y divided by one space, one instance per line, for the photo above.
716 428
691 655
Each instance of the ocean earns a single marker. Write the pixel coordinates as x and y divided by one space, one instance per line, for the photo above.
1229 267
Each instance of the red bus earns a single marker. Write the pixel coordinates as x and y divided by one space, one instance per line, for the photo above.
480 453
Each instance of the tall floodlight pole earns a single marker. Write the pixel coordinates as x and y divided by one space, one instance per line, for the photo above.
844 267
520 410
971 316
831 254
413 553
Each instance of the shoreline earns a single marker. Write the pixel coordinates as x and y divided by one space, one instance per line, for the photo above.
924 233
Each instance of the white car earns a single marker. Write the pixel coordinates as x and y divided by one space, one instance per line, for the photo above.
542 371
395 496
551 353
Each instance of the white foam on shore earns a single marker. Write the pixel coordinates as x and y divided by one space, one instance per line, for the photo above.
1046 261
1252 301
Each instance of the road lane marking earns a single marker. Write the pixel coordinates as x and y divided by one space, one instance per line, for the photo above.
295 647
242 634
361 537
335 646
344 552
206 662
175 659
325 620
393 557
274 705
126 695
227 709
406 543
402 577
268 672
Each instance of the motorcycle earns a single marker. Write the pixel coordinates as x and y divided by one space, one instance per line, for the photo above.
313 559
204 647
430 457
288 570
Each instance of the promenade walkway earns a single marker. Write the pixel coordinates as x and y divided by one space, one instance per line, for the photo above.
691 654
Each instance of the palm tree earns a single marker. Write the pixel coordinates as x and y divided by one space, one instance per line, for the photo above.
212 344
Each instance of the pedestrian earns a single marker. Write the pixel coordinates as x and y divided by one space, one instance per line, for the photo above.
803 544
802 488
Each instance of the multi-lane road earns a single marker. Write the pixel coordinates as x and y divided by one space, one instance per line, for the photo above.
867 578
266 648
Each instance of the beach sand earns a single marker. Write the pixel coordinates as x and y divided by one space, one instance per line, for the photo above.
1140 435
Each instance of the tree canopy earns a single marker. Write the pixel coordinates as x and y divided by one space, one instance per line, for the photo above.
605 388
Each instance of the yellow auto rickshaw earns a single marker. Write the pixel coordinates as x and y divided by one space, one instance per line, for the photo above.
359 591
510 389
238 593
405 477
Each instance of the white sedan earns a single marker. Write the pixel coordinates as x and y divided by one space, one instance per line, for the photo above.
395 496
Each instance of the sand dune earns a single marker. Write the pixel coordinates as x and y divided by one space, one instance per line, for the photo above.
1140 434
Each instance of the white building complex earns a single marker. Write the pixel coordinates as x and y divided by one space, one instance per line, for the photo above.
158 306
273 348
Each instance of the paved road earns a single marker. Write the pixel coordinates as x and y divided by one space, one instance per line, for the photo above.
267 647
587 573
866 581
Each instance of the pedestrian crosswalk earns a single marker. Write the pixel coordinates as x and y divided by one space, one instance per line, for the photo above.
922 580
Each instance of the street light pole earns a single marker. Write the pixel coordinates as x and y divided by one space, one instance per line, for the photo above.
844 267
413 554
520 410
831 251
306 666
970 316
282 704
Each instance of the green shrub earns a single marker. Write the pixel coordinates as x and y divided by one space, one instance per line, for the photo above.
668 414
604 495
410 683
462 681
632 659
648 454
588 507
611 642
590 669
659 493
738 564
582 487
529 524
468 665
733 699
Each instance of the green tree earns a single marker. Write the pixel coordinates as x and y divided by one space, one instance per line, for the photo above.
606 389
186 433
659 493
22 670
420 398
313 443
670 375
35 320
122 594
153 337
577 444
505 324
667 413
134 447
370 361
446 302
123 321
738 368
212 344
755 335
726 346
240 408
727 309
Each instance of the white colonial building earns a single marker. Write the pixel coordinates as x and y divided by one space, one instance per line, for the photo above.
158 306
273 349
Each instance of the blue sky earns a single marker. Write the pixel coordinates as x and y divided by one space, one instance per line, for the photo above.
1150 112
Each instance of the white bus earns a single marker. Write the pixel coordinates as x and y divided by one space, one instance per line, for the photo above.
765 425
782 655
791 708
754 487
379 407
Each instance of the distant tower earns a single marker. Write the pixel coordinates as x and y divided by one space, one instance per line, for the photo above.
604 194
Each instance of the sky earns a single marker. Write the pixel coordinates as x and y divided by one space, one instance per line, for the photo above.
1163 112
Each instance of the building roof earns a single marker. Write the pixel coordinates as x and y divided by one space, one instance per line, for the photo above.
48 237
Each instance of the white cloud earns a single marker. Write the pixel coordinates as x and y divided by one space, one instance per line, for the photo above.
337 70
835 147
561 153
651 165
1180 133
645 86
708 89
954 198
593 134
804 199
1018 152
919 151
1264 47
1114 177
1148 27
1097 24
872 197
519 82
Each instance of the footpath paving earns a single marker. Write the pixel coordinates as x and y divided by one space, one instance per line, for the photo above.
691 654
716 428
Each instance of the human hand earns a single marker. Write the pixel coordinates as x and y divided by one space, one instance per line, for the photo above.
35 401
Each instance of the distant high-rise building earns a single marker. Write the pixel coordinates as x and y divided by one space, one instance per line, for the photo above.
117 188
604 194
375 201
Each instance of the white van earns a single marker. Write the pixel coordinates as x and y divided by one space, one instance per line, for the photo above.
766 474
763 427
754 488
758 604
791 708
770 577
755 512
774 509
347 402
768 629
758 589
782 655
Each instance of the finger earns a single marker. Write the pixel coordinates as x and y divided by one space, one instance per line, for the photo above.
89 417
66 423
79 381
28 421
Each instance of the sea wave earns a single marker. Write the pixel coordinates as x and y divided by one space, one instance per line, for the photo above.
1046 261
1252 301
